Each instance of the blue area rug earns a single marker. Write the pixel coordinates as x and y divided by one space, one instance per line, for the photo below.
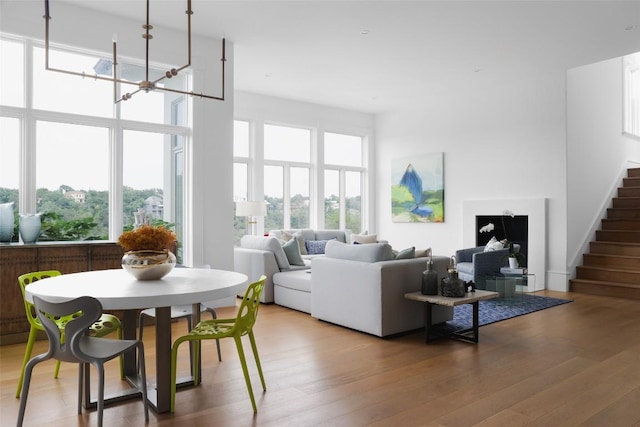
495 310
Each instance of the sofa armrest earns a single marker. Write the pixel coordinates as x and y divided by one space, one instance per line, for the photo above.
466 255
255 263
369 297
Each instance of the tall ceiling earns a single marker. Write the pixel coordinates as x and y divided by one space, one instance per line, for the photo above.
377 56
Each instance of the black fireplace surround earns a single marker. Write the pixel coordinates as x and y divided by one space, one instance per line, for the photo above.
513 228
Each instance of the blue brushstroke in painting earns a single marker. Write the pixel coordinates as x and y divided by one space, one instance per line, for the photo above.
412 181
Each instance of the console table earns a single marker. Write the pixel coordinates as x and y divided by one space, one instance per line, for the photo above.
67 257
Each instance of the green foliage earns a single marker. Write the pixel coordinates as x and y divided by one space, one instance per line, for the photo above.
64 219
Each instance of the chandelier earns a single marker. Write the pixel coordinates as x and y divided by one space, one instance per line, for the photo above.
145 85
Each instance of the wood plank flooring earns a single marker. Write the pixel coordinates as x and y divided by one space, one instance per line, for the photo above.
577 364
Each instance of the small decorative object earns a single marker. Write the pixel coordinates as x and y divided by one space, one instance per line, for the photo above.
30 225
452 286
147 255
6 222
430 280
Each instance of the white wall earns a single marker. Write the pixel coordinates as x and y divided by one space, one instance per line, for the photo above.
598 153
211 150
501 140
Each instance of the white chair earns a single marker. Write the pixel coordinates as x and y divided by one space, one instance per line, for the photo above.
78 347
186 311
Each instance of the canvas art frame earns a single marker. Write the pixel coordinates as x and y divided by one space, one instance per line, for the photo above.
417 188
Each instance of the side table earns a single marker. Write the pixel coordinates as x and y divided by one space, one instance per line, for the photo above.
473 298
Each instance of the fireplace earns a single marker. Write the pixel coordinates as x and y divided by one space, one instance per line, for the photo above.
536 229
513 228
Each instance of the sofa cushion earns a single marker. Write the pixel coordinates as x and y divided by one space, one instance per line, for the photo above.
297 280
373 252
292 251
271 244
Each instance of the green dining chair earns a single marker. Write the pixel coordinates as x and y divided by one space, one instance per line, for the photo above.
225 328
106 324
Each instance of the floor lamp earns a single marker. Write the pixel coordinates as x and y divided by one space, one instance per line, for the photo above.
251 210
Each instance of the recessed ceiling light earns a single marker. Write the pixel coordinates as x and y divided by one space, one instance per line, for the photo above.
364 32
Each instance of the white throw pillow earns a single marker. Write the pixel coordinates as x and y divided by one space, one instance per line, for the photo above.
362 238
493 245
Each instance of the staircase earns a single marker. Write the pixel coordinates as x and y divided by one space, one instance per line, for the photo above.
612 266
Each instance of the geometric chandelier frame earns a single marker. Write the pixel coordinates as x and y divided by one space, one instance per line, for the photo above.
145 85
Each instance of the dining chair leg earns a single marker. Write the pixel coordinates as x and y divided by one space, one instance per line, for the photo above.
80 385
120 337
100 368
143 380
174 362
245 370
255 355
27 382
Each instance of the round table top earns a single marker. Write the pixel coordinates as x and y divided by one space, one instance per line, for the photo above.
118 290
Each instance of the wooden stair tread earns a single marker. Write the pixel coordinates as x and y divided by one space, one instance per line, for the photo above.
606 282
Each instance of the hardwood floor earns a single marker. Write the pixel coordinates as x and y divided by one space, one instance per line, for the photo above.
575 364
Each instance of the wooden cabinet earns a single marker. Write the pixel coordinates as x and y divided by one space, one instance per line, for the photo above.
67 257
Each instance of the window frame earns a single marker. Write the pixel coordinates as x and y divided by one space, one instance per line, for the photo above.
28 117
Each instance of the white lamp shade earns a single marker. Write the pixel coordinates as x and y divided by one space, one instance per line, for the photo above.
251 209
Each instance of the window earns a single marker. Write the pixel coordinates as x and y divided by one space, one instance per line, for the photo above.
72 181
343 175
12 73
287 153
66 93
74 148
241 143
632 94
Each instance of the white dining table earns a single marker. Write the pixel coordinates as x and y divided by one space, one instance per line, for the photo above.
118 290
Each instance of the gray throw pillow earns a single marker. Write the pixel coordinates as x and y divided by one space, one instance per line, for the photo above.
407 253
292 251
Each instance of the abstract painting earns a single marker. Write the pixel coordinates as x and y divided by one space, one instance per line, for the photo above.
417 189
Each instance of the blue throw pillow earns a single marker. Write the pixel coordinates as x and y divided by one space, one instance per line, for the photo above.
316 247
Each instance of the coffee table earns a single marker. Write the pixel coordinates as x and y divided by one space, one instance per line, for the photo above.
473 298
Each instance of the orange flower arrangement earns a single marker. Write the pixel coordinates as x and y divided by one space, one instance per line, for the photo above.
147 237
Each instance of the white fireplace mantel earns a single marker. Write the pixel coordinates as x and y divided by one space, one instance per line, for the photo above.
535 209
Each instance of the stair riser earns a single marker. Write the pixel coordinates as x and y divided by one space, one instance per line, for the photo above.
630 277
619 224
604 290
626 202
633 172
629 191
618 236
622 263
623 213
631 182
613 249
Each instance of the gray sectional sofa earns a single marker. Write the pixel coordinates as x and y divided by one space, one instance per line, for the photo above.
361 287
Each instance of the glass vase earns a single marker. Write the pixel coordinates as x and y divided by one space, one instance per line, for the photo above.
30 225
6 222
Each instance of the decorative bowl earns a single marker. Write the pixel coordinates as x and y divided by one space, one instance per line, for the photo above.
148 265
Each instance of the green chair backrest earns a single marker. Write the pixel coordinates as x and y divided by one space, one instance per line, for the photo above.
25 280
248 311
